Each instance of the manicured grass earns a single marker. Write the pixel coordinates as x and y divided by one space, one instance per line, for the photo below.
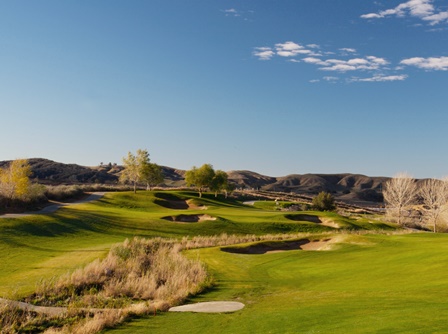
40 247
43 246
366 284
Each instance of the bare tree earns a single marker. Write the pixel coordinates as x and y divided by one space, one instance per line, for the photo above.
434 194
399 194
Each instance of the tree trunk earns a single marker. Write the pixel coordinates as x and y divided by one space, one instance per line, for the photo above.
135 187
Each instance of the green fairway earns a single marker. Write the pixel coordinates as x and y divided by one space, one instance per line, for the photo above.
43 246
366 284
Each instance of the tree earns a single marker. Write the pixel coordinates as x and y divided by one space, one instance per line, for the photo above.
434 195
134 168
14 180
219 182
323 202
399 194
201 177
152 175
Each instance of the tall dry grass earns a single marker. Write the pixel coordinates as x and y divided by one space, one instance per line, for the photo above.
138 269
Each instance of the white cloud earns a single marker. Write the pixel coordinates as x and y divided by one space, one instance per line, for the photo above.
419 8
437 18
263 53
354 64
339 67
232 12
342 63
431 63
313 60
290 49
314 80
313 46
381 78
349 50
422 9
380 61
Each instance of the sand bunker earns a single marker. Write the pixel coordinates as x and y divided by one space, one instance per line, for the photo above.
209 307
171 201
193 206
279 246
189 218
314 219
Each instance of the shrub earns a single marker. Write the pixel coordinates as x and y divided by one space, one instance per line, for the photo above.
324 202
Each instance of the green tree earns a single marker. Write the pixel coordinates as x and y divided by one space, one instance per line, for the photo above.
323 202
135 167
152 175
200 178
219 182
15 180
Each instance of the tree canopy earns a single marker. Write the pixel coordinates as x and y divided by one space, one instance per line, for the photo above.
206 177
15 180
137 168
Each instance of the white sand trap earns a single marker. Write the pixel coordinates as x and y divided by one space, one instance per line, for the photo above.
209 307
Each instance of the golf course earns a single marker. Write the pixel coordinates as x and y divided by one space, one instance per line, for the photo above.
296 272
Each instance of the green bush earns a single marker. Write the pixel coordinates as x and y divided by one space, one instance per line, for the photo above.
324 202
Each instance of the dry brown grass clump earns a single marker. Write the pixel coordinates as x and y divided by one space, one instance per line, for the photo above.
138 269
137 277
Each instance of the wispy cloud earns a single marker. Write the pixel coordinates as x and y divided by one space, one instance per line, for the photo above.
422 9
263 53
355 64
381 78
231 12
291 49
348 50
341 61
431 63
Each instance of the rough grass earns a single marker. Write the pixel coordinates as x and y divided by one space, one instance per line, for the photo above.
151 272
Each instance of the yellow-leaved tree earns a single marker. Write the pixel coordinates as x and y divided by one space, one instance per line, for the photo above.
15 180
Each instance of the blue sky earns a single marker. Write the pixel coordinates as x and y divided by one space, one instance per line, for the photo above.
277 87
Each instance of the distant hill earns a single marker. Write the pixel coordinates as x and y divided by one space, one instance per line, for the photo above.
343 186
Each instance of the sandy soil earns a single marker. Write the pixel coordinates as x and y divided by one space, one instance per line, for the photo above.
276 247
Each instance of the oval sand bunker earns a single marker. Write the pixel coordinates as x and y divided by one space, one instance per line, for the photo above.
189 218
209 307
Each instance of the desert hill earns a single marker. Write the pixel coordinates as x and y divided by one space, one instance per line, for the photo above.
344 186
